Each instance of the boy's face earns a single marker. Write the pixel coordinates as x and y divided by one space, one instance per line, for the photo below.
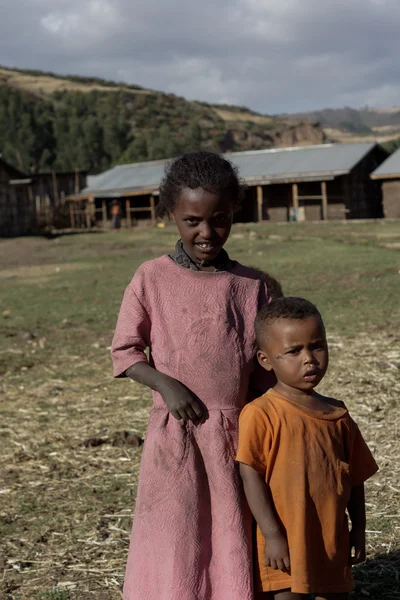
297 351
204 221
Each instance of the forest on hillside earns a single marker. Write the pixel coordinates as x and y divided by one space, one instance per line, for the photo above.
51 122
92 131
95 129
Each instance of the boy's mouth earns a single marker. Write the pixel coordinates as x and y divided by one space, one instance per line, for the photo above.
311 375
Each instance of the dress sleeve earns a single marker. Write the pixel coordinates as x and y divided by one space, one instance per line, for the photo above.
254 438
132 333
362 463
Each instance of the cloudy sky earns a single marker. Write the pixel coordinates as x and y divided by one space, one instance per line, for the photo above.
271 55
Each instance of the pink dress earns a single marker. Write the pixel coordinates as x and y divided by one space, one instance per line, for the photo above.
191 537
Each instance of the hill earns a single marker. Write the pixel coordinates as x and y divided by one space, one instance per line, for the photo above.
49 121
355 125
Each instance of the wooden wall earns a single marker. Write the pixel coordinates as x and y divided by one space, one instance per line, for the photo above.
391 198
17 210
364 193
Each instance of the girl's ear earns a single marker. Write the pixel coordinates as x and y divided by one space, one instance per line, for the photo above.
171 217
264 360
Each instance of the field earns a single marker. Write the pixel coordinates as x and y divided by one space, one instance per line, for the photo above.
68 473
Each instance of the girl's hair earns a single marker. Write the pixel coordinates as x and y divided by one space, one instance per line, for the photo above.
288 307
202 169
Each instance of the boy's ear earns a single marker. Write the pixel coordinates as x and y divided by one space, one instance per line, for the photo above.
171 217
264 360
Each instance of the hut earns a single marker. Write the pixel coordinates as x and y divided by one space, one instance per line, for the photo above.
28 202
388 175
17 208
329 181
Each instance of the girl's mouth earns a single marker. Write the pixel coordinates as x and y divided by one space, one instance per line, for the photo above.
206 248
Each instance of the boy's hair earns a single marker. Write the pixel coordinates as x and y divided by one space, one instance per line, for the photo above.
289 307
202 169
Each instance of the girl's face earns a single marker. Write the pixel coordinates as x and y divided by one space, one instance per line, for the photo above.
204 221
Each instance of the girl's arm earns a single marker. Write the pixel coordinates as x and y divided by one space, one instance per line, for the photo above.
276 546
131 338
356 509
178 399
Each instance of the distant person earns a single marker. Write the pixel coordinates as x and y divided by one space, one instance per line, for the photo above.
195 310
116 215
303 462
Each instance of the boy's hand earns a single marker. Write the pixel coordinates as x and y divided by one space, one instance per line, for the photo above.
180 402
357 546
276 553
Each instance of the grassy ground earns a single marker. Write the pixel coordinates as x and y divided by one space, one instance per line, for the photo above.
68 481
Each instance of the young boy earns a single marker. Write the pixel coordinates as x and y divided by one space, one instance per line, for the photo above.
303 462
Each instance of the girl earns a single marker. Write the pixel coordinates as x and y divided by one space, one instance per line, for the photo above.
195 311
303 464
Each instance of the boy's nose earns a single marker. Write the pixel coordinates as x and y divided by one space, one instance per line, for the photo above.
309 358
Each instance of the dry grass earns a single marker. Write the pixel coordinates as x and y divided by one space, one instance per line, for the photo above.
346 137
67 488
228 115
46 84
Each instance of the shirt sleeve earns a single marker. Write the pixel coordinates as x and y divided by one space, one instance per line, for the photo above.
254 438
132 333
362 463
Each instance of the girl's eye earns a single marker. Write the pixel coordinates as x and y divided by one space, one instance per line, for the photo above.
221 218
191 221
294 351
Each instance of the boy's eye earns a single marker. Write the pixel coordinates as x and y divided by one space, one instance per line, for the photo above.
221 218
319 346
293 351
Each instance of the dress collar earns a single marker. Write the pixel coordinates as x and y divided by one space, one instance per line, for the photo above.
221 262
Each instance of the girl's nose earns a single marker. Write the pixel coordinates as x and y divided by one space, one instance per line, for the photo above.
206 231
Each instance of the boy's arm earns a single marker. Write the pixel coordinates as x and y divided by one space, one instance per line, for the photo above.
356 509
276 546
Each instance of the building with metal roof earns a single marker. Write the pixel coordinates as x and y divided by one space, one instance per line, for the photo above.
388 174
326 181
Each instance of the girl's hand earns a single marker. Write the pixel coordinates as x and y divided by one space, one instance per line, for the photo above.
180 401
357 545
276 552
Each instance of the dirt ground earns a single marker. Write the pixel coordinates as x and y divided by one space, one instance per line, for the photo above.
68 473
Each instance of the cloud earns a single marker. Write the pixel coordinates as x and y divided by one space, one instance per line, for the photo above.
271 56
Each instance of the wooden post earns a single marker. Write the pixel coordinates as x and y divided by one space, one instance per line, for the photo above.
87 211
295 196
324 201
55 190
72 215
128 212
152 209
259 203
104 213
295 200
87 216
77 181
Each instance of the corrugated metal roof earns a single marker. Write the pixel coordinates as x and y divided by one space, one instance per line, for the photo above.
389 168
307 162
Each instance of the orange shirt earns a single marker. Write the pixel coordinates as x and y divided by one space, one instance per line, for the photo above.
310 461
